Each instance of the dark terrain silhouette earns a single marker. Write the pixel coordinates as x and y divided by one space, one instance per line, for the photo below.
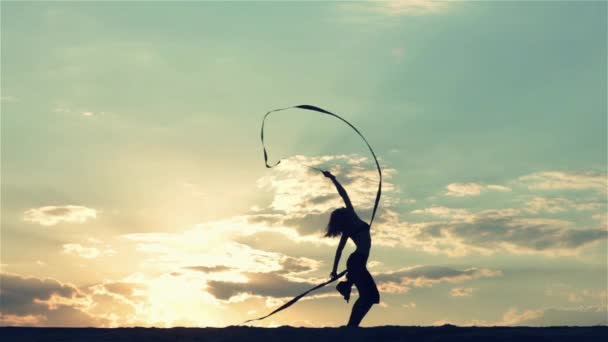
291 334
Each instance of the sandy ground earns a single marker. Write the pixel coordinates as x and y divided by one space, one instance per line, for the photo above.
291 334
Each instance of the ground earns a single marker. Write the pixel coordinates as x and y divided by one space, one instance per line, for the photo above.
291 334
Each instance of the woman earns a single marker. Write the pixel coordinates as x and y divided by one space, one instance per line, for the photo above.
345 222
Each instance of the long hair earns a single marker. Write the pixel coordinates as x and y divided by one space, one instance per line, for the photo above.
338 221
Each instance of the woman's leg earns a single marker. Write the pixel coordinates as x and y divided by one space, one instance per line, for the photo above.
360 309
368 293
371 289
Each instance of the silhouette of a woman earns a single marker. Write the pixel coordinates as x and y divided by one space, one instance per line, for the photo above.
345 222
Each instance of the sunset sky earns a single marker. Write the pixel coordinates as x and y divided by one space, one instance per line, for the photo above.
134 191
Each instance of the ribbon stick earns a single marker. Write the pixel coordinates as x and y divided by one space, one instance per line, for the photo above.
296 298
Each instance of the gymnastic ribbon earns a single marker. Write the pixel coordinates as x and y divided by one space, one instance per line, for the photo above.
376 202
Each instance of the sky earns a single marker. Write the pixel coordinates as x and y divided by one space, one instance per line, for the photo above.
134 191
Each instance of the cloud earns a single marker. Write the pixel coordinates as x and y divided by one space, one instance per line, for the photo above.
591 315
43 302
21 321
237 284
471 189
492 231
303 199
260 284
86 252
427 276
578 316
498 187
226 270
135 301
396 7
299 190
514 317
508 230
445 212
581 316
602 218
124 289
213 244
463 189
52 215
209 269
559 180
85 113
291 268
392 287
410 305
120 303
557 205
574 295
298 266
275 285
462 292
284 283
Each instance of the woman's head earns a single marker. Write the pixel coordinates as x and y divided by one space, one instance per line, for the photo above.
338 221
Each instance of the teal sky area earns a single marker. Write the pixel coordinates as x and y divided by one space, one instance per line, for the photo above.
131 153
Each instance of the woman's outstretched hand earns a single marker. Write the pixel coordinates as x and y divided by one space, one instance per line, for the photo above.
333 275
328 174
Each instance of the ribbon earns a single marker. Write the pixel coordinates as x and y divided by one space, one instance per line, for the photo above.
376 202
321 110
296 298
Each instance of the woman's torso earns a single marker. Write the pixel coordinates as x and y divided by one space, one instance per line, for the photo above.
360 234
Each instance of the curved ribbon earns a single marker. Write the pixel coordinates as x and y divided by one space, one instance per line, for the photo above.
376 203
321 110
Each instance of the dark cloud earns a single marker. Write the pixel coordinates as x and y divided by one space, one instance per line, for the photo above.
51 302
18 294
58 211
261 284
495 230
491 231
265 218
277 285
209 269
313 223
523 233
307 224
291 265
430 275
125 289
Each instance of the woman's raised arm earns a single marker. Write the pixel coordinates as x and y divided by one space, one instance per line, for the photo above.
340 189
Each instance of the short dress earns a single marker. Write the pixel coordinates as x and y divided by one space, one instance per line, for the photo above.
356 266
